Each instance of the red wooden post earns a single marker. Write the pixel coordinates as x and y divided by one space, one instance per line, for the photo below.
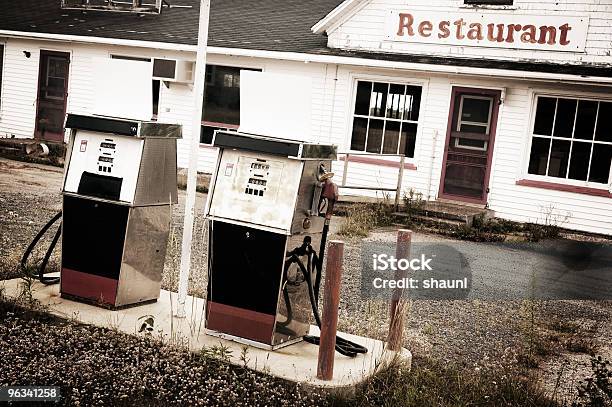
396 321
331 301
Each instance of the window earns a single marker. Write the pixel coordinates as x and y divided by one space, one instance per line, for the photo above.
474 117
155 86
56 78
221 100
572 139
490 2
386 118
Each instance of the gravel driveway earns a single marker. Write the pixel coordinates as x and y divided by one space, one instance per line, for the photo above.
474 333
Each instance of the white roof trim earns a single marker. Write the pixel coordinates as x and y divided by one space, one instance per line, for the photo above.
413 66
326 59
339 14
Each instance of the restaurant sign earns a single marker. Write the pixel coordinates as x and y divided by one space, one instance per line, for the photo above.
519 31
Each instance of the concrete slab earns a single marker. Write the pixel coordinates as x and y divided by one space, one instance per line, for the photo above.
297 362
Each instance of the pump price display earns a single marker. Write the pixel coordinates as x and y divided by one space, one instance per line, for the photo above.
29 393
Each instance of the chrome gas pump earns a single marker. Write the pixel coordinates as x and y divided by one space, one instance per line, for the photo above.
269 207
119 185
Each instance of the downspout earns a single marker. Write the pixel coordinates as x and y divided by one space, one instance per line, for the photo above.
333 100
432 163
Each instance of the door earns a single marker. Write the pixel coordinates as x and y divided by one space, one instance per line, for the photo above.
469 144
52 95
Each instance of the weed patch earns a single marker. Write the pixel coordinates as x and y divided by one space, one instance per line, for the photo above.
362 218
431 383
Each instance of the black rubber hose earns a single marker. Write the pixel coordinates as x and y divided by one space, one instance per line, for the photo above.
343 346
286 299
43 266
319 262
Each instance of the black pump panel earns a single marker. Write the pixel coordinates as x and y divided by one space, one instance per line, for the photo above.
100 186
93 234
245 267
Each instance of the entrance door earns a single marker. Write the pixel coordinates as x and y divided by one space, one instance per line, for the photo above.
52 95
469 144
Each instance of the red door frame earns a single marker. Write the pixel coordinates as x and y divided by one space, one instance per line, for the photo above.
496 95
41 70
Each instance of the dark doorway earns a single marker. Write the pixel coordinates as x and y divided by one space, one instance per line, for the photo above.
52 95
469 144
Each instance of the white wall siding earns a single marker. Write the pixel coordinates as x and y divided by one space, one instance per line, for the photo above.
365 30
19 87
508 200
332 104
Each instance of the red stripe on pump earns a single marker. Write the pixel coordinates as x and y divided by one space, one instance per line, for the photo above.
240 322
88 286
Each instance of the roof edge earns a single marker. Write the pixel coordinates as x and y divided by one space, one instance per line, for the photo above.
337 15
414 66
98 40
325 59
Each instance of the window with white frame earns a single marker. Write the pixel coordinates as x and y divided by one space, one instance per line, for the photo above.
572 139
385 118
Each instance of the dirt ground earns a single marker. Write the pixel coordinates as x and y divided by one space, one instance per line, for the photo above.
474 334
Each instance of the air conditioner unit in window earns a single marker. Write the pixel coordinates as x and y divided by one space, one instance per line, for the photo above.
172 70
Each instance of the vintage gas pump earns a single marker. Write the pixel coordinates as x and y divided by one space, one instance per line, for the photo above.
263 212
119 185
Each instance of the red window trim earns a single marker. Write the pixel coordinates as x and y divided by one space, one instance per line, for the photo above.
378 161
565 188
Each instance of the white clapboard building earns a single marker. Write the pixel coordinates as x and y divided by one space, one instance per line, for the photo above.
500 103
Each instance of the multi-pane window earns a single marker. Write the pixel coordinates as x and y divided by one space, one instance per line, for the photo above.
572 139
386 118
473 122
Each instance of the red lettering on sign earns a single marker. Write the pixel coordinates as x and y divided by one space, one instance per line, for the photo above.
405 21
512 28
491 36
565 28
529 34
425 28
475 31
549 31
444 31
460 24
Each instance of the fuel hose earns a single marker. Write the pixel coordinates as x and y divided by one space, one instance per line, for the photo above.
343 346
40 274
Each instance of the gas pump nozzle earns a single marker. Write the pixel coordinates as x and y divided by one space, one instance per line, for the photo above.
329 193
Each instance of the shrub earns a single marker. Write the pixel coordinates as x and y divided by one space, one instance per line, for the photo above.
596 390
413 202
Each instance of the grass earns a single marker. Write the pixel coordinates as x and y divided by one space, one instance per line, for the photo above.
431 383
95 366
362 218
